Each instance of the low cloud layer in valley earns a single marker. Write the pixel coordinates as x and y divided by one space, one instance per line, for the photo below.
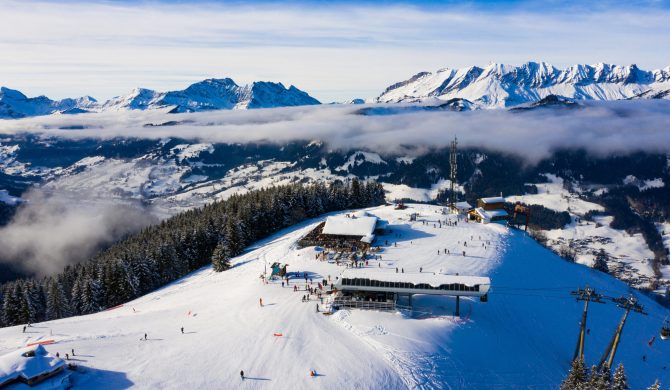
602 128
52 230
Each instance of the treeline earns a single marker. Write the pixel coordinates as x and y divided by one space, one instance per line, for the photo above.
165 252
541 217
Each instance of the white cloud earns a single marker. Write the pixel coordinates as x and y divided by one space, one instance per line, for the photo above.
336 52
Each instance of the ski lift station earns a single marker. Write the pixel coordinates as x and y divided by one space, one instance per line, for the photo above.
367 289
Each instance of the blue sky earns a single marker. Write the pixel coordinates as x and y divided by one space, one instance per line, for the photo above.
340 50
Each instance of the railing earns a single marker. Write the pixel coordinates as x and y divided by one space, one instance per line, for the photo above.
364 305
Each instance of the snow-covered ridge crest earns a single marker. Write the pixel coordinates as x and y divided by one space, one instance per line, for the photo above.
210 94
499 85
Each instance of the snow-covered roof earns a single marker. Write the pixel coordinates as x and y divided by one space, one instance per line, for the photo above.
368 239
434 280
489 214
343 226
493 199
462 205
15 364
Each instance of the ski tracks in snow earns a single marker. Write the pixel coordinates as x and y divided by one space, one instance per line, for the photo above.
417 370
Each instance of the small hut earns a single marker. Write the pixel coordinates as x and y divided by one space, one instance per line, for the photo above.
31 366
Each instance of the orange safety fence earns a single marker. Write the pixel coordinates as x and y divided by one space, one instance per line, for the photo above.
43 342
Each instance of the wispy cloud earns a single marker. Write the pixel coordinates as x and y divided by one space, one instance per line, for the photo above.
335 52
53 230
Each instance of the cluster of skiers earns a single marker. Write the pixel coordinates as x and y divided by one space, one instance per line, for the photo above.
67 356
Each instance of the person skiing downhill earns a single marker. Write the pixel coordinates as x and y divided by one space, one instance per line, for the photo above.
242 374
182 330
261 301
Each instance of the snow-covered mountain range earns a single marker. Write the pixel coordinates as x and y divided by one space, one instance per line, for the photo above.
14 104
498 85
210 94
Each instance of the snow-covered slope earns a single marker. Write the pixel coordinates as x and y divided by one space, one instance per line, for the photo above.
210 94
498 85
522 338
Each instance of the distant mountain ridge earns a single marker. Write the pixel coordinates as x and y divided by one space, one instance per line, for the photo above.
498 85
210 94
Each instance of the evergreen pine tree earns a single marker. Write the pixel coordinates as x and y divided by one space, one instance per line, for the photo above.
356 194
619 381
12 305
220 260
600 262
577 376
57 305
655 386
599 379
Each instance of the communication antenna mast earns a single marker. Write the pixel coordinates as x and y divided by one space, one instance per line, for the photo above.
453 164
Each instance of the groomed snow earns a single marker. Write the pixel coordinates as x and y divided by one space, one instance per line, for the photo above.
522 338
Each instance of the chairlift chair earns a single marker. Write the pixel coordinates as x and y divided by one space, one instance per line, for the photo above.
665 330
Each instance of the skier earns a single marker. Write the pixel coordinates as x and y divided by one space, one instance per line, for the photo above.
57 355
282 284
24 329
295 288
145 337
403 270
67 357
260 300
242 374
182 330
420 269
73 352
396 269
317 307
